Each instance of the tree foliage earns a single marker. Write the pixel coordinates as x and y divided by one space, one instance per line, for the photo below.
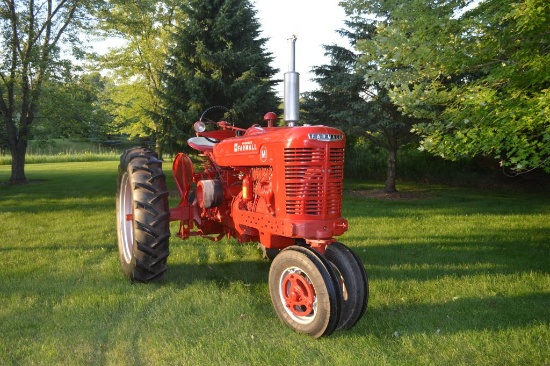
218 58
478 71
73 108
32 33
359 106
136 66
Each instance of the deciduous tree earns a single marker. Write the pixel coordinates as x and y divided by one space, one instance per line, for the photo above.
479 71
32 33
73 108
137 63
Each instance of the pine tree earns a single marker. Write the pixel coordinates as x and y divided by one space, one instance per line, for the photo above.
218 58
359 106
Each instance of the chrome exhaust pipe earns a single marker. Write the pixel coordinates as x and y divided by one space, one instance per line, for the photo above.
292 88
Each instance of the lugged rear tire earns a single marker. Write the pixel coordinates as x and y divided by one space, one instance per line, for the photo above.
143 215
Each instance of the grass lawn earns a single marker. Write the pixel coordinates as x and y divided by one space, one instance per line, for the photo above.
457 277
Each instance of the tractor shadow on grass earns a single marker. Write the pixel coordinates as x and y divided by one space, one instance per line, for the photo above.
223 263
221 274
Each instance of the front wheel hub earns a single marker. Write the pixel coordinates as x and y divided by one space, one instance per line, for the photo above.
298 294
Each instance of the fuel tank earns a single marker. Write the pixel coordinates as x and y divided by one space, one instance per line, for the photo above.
267 146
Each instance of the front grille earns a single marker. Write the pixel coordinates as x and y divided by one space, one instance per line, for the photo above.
314 181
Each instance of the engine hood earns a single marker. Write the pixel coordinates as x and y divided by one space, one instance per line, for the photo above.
260 145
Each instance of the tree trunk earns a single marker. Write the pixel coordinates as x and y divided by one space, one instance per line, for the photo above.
389 187
18 163
159 147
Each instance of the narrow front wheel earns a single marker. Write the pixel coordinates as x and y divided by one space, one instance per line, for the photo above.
353 283
304 292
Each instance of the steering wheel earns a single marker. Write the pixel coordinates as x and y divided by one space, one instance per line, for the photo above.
215 108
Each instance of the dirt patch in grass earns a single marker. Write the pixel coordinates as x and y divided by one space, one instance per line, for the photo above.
379 194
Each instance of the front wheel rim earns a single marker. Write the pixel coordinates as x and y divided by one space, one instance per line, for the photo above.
126 218
298 295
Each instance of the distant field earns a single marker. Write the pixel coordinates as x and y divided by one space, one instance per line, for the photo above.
457 277
66 146
64 150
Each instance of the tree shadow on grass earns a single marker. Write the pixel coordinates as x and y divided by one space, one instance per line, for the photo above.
491 313
447 202
458 256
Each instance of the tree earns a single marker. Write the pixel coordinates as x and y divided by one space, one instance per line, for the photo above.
32 33
136 66
217 59
362 108
480 74
72 108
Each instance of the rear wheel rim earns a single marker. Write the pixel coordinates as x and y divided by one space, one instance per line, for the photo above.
298 295
126 218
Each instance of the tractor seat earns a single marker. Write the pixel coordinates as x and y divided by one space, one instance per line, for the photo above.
201 144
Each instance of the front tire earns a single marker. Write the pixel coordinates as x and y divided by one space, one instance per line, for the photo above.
353 283
304 292
143 215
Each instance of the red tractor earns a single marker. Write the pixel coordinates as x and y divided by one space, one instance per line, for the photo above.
279 186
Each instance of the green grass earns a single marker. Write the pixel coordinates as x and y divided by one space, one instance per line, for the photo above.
460 277
64 157
64 150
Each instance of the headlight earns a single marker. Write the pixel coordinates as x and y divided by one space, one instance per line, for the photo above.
199 126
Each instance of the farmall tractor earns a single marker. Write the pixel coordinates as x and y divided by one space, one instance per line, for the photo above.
279 186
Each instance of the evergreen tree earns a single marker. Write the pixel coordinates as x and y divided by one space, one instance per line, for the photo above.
360 107
218 58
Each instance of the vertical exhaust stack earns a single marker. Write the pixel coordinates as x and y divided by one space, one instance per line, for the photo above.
292 88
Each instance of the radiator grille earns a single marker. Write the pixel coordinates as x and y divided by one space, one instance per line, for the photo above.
314 181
